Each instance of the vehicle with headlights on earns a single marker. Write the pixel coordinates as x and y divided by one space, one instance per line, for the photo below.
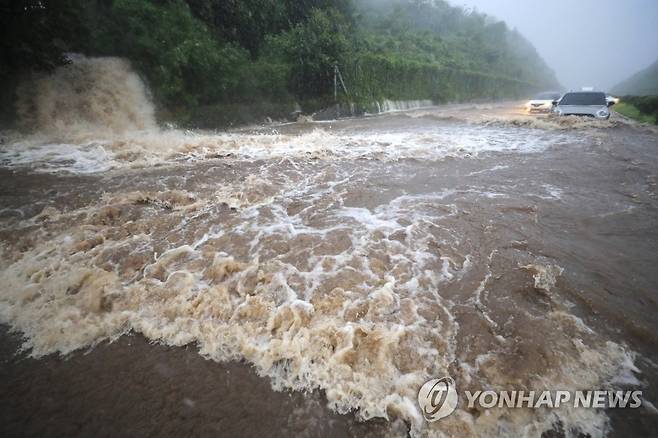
584 103
542 102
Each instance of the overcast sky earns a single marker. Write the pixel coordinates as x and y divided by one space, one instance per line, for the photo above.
587 42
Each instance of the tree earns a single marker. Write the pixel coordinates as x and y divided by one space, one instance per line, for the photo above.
35 34
313 48
184 63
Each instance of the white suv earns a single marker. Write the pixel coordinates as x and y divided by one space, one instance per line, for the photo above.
542 102
584 103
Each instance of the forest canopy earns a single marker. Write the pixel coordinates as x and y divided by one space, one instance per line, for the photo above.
199 53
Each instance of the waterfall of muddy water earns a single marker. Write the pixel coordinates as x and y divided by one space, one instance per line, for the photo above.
362 257
85 97
402 105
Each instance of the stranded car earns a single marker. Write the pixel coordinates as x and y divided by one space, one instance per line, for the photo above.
542 102
584 103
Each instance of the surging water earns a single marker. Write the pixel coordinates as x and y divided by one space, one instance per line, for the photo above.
361 259
98 96
94 115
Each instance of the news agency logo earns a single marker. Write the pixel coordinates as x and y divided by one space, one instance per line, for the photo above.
438 398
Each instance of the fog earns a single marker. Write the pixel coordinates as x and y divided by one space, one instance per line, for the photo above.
589 42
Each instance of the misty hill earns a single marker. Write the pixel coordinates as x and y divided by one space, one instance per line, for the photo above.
642 83
437 33
215 59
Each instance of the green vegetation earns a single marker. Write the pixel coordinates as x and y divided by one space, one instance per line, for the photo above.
33 37
640 108
203 57
642 83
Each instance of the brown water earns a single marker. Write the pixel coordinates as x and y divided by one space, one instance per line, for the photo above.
359 258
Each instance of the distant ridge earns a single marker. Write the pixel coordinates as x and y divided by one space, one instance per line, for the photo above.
642 83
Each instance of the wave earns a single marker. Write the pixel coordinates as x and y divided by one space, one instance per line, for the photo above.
282 271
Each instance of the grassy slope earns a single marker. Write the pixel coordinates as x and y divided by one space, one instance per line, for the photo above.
633 112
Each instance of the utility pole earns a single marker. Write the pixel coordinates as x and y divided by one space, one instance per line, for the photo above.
342 83
336 91
338 76
335 82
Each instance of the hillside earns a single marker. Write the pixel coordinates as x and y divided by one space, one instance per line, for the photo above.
217 61
642 83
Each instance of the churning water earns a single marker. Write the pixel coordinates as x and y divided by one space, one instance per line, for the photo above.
362 257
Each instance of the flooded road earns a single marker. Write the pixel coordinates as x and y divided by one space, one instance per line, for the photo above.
348 261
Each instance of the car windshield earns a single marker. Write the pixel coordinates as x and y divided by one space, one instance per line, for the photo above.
547 96
583 99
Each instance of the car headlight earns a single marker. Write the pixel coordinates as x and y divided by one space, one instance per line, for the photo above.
603 113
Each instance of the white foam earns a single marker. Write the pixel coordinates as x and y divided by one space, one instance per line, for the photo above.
85 158
146 148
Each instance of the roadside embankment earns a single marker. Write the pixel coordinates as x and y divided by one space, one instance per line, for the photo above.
641 108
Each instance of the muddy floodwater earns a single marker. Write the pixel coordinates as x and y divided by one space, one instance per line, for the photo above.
308 278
